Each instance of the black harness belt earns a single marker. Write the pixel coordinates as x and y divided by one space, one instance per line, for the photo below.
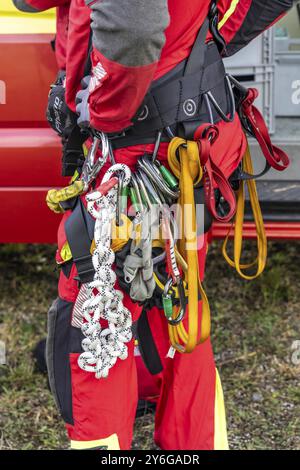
194 92
80 232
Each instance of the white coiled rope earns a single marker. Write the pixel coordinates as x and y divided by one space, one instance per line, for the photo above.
102 347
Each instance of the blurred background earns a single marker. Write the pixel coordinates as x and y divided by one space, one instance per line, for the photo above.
256 326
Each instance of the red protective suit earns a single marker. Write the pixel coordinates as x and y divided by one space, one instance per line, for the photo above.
129 52
134 43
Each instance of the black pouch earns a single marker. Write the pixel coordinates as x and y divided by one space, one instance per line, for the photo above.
62 340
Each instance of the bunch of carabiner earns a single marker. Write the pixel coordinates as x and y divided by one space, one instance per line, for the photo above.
152 187
92 166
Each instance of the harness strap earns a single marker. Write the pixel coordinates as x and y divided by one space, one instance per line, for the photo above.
184 161
275 156
261 259
147 345
196 58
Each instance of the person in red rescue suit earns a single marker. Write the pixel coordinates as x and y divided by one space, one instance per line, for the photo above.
134 44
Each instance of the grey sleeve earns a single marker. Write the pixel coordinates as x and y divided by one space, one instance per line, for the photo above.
22 5
129 32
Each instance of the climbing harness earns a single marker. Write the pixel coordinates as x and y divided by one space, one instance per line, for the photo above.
155 250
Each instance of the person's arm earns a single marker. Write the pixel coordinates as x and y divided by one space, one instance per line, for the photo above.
128 37
247 20
35 6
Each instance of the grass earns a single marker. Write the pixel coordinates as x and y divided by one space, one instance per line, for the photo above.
254 328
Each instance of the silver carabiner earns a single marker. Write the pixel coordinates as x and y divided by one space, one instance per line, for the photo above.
153 173
143 190
91 169
88 165
218 109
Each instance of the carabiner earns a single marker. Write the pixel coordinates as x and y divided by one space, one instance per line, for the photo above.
135 196
154 175
91 169
157 144
209 109
121 199
218 109
149 188
144 193
87 169
111 153
167 300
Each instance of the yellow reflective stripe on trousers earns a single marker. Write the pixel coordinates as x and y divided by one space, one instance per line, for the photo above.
228 13
220 437
110 443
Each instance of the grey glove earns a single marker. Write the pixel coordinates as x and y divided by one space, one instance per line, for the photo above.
82 105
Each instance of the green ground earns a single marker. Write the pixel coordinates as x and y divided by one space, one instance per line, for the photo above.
254 328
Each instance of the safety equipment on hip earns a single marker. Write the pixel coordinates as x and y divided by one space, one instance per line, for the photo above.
182 109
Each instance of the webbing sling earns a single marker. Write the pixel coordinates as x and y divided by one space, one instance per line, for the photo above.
275 157
184 161
261 259
205 136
